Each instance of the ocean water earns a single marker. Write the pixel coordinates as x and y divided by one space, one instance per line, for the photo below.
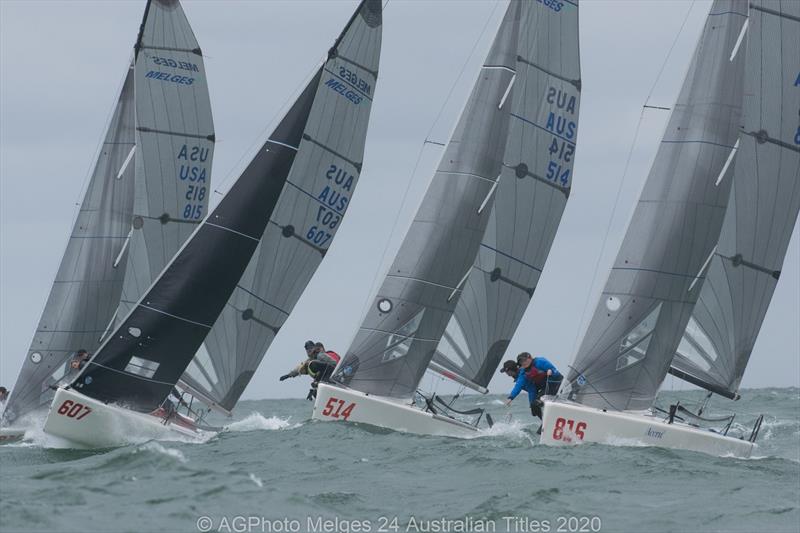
275 470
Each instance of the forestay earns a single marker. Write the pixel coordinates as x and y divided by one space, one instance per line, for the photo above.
402 327
307 215
530 196
146 355
762 210
174 145
88 283
656 278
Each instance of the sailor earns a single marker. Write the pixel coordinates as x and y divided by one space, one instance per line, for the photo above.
521 382
541 372
326 356
3 395
311 349
79 359
317 370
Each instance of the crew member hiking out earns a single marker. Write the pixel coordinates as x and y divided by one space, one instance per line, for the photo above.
541 372
316 370
326 356
521 382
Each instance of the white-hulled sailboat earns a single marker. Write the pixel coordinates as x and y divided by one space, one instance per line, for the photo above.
682 295
479 241
279 199
147 193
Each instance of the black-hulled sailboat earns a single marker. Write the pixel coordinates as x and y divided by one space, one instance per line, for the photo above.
277 200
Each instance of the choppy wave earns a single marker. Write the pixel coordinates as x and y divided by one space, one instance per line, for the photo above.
257 422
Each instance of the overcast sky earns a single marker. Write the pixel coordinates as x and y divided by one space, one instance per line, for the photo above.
61 65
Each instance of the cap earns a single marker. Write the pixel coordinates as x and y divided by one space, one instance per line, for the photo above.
508 367
309 344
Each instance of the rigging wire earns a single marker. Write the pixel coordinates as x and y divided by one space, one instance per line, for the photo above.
624 178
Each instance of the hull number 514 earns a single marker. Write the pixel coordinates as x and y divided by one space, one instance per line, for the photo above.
335 408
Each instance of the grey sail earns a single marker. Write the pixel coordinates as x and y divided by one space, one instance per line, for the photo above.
399 334
657 275
140 362
762 211
530 197
307 216
88 283
174 145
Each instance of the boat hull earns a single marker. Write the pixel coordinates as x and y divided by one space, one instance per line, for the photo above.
87 422
335 403
567 423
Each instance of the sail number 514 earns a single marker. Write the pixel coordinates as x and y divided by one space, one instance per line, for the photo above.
335 408
74 410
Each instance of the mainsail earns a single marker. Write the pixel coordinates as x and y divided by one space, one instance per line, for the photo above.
306 218
153 345
762 211
88 284
657 275
530 196
174 145
399 334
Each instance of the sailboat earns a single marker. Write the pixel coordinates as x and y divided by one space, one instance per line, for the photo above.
472 257
703 252
123 389
147 192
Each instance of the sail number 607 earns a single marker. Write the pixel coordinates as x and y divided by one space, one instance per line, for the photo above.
334 408
74 410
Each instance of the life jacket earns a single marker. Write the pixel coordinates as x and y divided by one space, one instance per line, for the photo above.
333 355
536 376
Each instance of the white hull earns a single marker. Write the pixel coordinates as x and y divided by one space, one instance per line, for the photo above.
570 423
337 403
88 422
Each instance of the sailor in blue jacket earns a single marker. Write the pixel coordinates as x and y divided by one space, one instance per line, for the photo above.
542 372
521 382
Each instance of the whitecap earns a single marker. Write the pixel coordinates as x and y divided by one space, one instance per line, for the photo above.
257 480
153 446
255 421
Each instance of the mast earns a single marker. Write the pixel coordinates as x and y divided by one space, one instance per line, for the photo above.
762 211
145 356
307 215
87 286
529 199
655 281
399 335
